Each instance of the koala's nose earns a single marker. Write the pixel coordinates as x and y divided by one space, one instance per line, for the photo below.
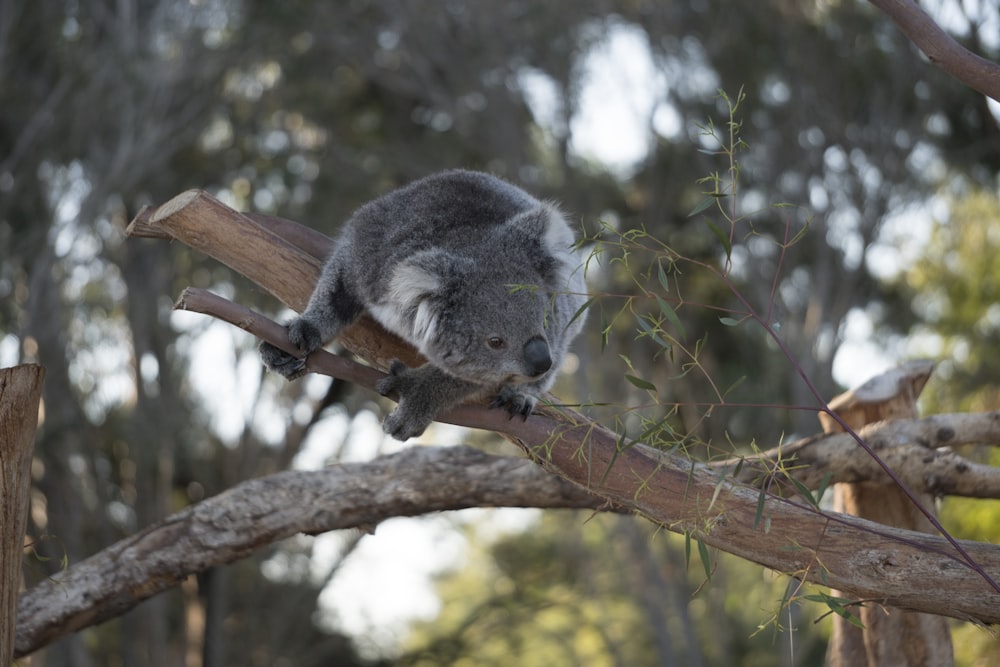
537 359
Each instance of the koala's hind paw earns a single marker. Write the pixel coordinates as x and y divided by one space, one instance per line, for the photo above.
516 402
410 418
403 424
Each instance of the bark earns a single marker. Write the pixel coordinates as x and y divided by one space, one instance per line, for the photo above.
258 512
20 393
917 450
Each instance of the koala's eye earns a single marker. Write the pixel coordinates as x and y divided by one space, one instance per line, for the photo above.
496 343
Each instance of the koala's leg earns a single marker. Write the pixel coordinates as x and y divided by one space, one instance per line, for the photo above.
332 306
423 393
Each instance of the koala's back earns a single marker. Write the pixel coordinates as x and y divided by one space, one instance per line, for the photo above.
450 210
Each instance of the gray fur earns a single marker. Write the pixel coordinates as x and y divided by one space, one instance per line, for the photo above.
473 272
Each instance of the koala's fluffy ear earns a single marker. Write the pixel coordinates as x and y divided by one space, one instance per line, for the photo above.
545 224
427 274
418 286
549 233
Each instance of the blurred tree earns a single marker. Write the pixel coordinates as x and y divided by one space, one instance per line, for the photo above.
309 109
953 289
606 590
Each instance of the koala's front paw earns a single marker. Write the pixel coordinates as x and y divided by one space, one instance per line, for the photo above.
304 336
281 362
515 401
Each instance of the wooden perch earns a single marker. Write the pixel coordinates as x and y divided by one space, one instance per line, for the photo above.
20 395
892 636
281 256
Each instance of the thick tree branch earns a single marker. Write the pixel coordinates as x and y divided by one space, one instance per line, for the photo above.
941 48
261 511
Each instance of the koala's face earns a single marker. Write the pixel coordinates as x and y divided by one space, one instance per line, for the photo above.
492 335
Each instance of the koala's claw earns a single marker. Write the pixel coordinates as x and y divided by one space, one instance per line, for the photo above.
395 381
515 402
281 362
303 335
403 424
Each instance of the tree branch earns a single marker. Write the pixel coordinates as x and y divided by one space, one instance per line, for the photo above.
863 559
941 48
261 511
915 449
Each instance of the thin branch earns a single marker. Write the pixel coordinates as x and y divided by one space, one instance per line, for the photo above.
941 48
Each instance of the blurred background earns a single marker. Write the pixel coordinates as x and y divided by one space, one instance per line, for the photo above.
308 109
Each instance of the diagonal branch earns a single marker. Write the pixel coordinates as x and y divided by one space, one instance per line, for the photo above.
916 449
941 48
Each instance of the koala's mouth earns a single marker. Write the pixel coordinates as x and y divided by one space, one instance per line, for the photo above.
517 378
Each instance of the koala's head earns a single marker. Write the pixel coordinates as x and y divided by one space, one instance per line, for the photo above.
483 316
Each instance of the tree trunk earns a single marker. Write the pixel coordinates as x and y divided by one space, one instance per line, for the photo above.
890 636
20 393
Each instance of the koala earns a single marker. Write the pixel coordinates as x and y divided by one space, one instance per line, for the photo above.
478 275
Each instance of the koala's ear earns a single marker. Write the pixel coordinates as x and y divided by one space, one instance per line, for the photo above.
424 275
546 230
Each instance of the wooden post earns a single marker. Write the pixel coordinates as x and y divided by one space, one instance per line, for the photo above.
891 636
20 393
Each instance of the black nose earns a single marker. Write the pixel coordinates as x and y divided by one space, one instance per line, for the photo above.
536 357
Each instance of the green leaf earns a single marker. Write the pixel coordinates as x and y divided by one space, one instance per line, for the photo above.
721 235
705 560
605 331
760 508
662 275
656 338
823 484
704 203
804 492
671 316
640 383
618 449
729 321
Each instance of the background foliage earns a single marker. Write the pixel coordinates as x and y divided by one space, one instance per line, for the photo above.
308 109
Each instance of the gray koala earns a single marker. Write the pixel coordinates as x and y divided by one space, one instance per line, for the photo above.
474 272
